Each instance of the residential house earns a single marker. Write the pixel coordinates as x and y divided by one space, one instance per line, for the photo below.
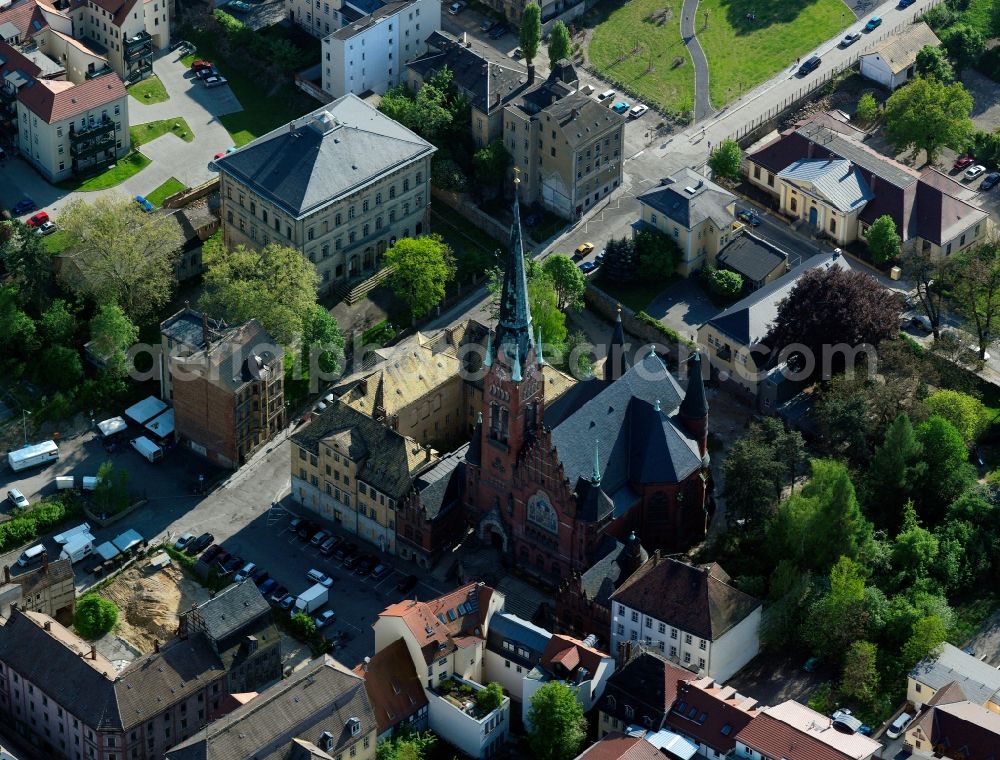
488 78
950 726
697 214
65 699
756 261
980 682
340 184
711 715
733 338
692 614
578 664
49 589
892 63
239 626
795 732
514 647
617 746
565 145
641 691
828 181
320 711
370 54
395 691
226 384
355 471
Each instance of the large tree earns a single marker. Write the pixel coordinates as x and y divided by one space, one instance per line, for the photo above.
423 267
123 255
726 160
975 288
964 44
24 256
895 471
275 285
530 33
567 279
860 677
656 254
59 322
967 413
436 110
948 470
112 334
94 616
18 336
490 165
928 114
621 262
545 311
932 61
558 727
928 274
927 634
559 43
883 240
837 618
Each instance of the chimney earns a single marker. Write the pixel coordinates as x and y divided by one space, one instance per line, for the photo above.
45 562
574 114
204 329
465 39
427 453
531 74
811 149
364 665
6 573
656 558
47 625
93 652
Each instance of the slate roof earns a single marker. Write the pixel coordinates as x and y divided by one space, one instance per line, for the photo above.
25 16
233 608
696 599
748 320
394 690
638 444
386 460
322 696
979 682
836 180
441 486
619 747
599 581
689 209
647 683
367 22
325 155
899 51
752 257
509 627
725 713
54 101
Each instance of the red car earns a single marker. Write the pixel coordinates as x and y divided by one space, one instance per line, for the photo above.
38 219
962 161
200 64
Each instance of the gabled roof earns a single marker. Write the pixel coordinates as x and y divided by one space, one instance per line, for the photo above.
948 664
619 747
835 180
441 486
394 690
25 16
688 198
616 562
44 576
711 714
372 19
951 721
568 658
647 683
899 50
57 101
507 626
324 156
696 599
808 726
13 62
236 606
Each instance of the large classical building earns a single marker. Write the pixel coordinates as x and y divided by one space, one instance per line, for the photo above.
340 184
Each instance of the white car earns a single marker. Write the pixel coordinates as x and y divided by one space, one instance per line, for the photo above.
46 228
974 171
455 8
215 81
321 578
181 543
324 618
606 95
638 111
17 498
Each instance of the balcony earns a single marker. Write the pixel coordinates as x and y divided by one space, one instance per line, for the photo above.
140 46
93 73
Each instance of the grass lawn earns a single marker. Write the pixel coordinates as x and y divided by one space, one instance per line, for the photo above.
637 296
980 16
149 91
743 54
630 37
474 250
144 133
168 188
126 167
56 242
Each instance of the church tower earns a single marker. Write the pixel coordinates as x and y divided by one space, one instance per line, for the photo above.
693 412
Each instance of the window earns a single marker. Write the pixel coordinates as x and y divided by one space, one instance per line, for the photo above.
687 657
756 172
687 638
702 644
621 609
793 205
364 206
378 199
635 616
833 224
673 633
701 663
662 627
629 712
649 622
621 629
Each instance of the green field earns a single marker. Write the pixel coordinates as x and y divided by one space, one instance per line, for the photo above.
144 133
168 188
640 35
126 167
149 91
742 54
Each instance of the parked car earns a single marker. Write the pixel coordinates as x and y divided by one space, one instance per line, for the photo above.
749 216
323 619
183 541
486 25
599 258
306 530
201 64
974 171
178 44
584 249
319 537
499 31
351 562
812 664
330 544
222 557
455 8
898 726
873 23
962 161
239 6
17 498
37 220
587 267
989 181
364 565
210 553
380 571
606 95
46 228
206 73
23 206
267 586
809 65
905 3
286 602
621 106
144 204
278 593
295 524
638 110
407 584
850 39
199 543
345 551
318 576
215 81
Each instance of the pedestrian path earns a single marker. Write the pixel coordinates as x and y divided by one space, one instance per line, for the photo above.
702 102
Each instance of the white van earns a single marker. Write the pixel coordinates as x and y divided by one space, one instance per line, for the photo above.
898 726
147 448
31 456
31 555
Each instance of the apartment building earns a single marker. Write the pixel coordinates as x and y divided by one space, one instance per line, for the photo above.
947 664
692 614
640 692
793 731
370 54
566 146
226 384
952 726
68 701
711 715
395 690
49 589
341 185
354 471
323 18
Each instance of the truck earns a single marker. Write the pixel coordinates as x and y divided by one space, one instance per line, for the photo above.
312 599
66 535
147 448
33 455
78 547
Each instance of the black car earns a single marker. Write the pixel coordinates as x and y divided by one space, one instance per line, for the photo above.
810 65
278 593
407 584
989 181
199 543
365 565
234 564
749 216
307 530
351 562
498 31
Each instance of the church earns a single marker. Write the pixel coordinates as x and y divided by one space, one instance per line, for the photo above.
615 460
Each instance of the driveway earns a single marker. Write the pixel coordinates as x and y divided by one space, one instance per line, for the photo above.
684 307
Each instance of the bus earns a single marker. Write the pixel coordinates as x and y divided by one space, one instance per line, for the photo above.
33 455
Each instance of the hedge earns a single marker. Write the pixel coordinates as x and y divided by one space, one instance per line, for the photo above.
29 524
667 332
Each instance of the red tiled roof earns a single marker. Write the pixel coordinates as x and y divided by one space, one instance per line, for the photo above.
53 104
618 747
21 15
392 685
775 738
722 707
570 654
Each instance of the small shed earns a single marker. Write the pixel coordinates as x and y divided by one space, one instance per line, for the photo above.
893 63
159 560
112 427
127 540
145 410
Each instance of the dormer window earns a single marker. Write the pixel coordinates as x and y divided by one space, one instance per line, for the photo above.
354 726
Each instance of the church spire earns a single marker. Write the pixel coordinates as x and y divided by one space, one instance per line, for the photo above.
693 412
514 333
616 364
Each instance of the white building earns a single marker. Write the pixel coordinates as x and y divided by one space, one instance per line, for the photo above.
582 668
892 64
371 53
514 648
693 615
458 722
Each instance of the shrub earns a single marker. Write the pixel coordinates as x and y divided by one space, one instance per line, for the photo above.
867 110
490 697
668 332
726 284
303 625
95 616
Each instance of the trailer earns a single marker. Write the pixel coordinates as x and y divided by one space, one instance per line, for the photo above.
66 535
33 455
106 551
127 540
65 482
312 599
149 450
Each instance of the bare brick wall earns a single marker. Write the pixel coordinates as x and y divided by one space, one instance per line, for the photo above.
205 415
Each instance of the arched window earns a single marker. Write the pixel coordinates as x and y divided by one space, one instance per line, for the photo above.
629 712
611 702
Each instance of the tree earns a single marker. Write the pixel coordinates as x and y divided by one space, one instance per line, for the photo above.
927 114
94 616
435 110
559 43
914 551
558 727
303 625
111 493
531 31
964 44
750 478
275 285
965 412
860 677
726 284
657 255
837 619
929 275
322 333
845 415
124 255
406 745
422 268
933 62
58 323
948 471
976 288
61 367
726 160
621 263
490 165
112 334
883 240
24 256
896 470
867 109
17 329
927 634
567 280
545 311
490 697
